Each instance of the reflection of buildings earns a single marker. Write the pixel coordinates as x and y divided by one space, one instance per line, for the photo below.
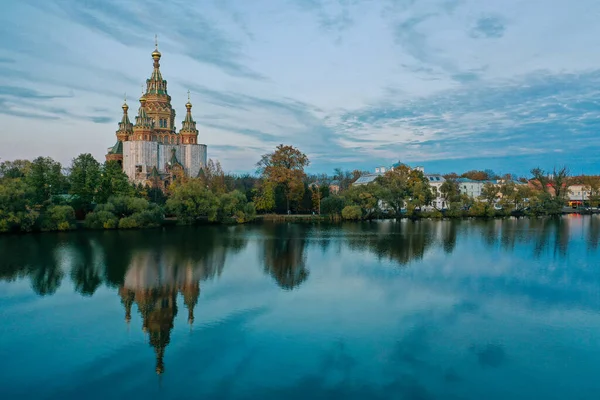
153 282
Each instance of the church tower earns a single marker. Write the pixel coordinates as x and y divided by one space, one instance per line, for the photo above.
188 132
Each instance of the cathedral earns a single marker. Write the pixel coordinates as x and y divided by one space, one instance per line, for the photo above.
151 151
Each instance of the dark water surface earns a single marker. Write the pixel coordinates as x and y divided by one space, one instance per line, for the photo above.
383 310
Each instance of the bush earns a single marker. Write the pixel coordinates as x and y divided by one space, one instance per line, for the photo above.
128 223
60 218
332 205
352 213
101 220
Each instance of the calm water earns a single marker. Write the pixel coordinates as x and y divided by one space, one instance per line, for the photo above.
385 310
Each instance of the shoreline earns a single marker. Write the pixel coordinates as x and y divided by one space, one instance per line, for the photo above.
309 218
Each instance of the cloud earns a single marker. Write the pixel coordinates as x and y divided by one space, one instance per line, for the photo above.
20 92
192 30
352 83
493 120
489 28
101 119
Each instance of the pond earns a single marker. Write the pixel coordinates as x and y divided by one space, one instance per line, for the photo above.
497 309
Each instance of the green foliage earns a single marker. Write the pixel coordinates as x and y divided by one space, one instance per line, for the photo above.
352 213
85 179
234 207
113 182
264 197
332 205
402 187
191 201
14 169
58 218
45 178
100 219
125 206
15 212
489 193
364 196
128 223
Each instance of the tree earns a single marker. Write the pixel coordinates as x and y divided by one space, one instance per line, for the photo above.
191 201
489 193
478 175
213 177
332 205
285 167
404 186
553 188
113 182
85 178
592 185
450 190
15 211
45 178
14 169
264 197
364 196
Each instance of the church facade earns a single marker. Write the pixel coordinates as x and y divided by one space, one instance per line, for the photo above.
151 151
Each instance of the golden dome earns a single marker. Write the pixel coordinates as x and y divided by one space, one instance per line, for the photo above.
125 107
188 105
156 54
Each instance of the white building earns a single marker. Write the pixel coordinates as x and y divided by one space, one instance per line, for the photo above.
436 182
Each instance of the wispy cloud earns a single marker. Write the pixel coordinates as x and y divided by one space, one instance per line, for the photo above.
489 27
353 83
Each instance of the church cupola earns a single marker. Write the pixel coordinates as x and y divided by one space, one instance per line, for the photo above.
125 126
156 84
142 130
188 132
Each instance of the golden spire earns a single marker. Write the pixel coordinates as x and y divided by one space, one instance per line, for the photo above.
156 53
188 105
125 107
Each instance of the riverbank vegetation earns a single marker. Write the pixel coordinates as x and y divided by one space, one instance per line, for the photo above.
42 195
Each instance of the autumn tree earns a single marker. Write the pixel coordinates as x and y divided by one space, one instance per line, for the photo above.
489 193
450 190
285 168
479 175
213 177
404 186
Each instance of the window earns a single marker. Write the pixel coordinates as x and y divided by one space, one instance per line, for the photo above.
138 168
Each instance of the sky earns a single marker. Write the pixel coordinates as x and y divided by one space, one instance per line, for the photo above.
451 85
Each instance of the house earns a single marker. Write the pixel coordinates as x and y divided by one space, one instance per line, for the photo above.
578 194
334 187
471 187
436 182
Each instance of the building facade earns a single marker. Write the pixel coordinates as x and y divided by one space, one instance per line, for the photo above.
436 182
151 151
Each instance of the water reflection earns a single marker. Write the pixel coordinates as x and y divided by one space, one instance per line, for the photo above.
151 270
283 254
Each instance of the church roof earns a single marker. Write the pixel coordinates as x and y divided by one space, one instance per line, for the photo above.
117 148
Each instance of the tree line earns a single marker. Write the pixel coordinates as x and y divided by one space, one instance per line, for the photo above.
42 195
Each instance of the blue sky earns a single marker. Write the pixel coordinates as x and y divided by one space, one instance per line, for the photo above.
449 84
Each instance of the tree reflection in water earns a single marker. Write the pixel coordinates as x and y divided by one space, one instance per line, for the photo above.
399 241
283 254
